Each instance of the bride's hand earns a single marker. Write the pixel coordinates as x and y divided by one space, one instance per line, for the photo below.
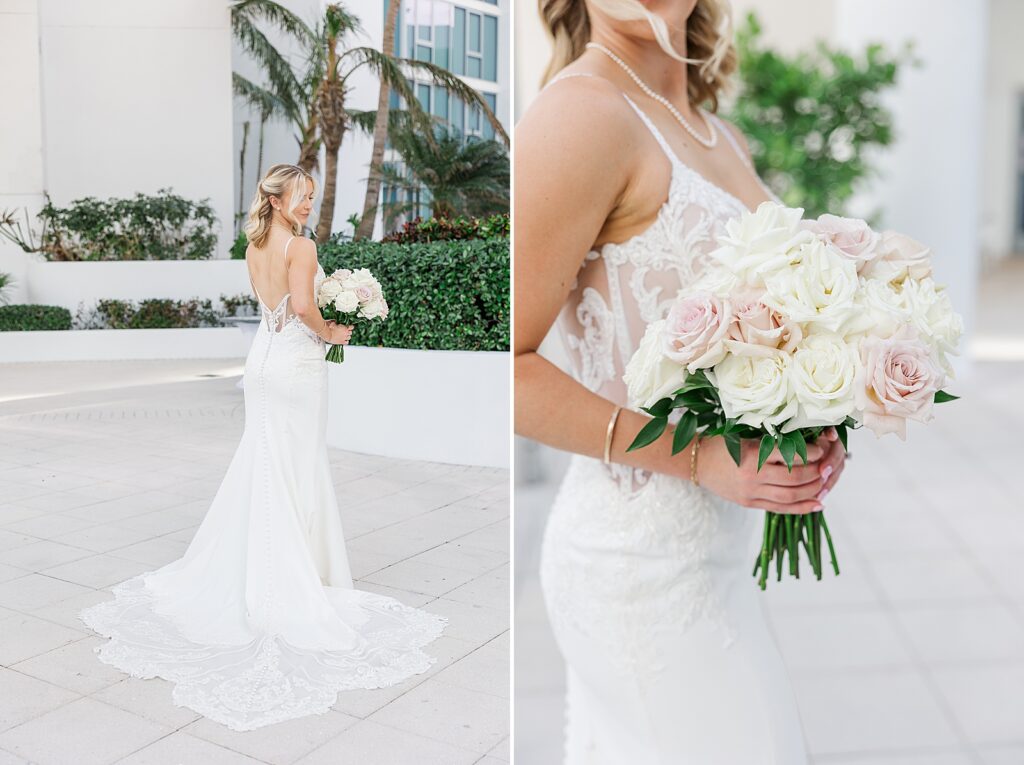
339 333
774 488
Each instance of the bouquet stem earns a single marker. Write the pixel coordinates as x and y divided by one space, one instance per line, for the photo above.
336 354
783 535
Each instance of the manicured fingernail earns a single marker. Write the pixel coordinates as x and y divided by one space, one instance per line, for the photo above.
822 494
818 507
826 473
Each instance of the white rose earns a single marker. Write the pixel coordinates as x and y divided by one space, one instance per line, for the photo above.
346 301
823 371
329 290
880 309
755 389
817 288
932 314
649 376
760 242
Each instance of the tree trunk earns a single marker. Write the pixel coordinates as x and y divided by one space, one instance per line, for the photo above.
259 153
380 132
323 225
241 177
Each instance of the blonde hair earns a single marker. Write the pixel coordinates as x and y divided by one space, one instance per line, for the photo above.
288 183
711 54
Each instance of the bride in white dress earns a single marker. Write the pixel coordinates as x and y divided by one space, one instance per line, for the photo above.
622 185
258 622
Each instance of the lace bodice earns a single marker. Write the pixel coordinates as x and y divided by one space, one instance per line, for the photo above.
623 287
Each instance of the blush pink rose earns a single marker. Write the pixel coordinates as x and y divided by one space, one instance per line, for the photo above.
365 293
852 237
900 258
755 323
695 329
897 382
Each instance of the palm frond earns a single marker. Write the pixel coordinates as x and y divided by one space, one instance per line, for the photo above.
279 72
274 14
262 100
387 69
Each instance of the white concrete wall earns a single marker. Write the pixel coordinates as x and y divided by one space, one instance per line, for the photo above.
1004 90
69 284
440 406
136 96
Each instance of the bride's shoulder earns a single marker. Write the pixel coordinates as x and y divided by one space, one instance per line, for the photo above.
579 114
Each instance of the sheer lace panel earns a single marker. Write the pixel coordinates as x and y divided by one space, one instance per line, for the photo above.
622 287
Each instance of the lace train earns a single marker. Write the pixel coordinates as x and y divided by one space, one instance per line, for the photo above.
280 681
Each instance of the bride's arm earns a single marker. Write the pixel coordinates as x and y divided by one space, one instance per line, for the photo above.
574 162
301 264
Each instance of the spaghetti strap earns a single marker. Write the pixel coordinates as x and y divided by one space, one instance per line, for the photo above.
731 138
286 245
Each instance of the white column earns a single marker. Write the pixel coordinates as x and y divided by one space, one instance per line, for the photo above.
930 184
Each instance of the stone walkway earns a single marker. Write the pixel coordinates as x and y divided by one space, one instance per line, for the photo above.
914 655
104 483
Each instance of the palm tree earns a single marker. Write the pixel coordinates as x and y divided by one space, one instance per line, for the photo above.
316 102
462 177
380 131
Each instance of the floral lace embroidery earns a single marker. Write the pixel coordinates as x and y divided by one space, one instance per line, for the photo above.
595 347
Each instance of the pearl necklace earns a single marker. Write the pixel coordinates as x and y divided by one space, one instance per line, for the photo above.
708 143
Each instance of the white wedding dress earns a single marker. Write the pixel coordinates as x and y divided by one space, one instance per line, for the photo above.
647 578
258 622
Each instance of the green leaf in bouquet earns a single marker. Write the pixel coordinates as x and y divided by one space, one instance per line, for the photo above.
767 446
801 444
787 447
649 433
735 447
660 408
685 430
941 397
841 432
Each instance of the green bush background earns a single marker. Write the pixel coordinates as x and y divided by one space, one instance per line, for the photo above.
14 318
451 295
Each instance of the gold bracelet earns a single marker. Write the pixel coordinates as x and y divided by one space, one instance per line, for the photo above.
608 436
693 460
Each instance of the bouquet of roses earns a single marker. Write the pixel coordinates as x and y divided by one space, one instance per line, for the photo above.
350 297
797 326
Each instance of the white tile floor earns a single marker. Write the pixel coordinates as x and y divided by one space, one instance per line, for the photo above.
915 654
99 485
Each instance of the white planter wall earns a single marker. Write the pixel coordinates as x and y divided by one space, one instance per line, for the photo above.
68 284
113 344
440 406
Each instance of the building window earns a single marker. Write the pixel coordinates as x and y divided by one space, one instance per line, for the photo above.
461 40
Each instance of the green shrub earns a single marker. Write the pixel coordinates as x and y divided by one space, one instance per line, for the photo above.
451 229
162 226
451 295
239 247
813 119
148 314
15 318
239 305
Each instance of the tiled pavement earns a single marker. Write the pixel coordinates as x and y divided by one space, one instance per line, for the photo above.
914 655
100 485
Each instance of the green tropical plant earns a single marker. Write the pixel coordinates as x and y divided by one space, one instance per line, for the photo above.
6 282
315 100
463 177
812 119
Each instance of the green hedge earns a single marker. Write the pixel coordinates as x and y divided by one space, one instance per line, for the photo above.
443 296
21 318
